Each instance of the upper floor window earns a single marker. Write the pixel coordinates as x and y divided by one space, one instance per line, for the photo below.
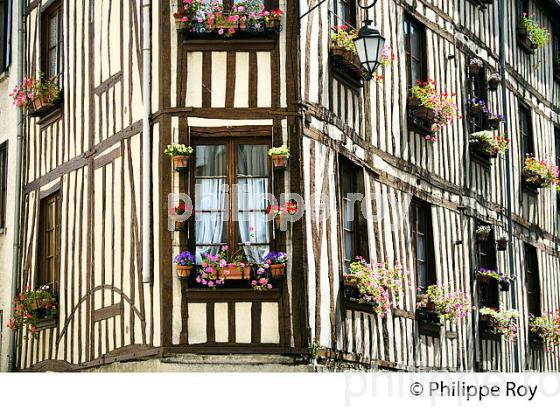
479 90
5 33
526 130
423 244
415 46
231 218
486 258
532 281
343 12
49 242
556 55
522 8
353 222
51 40
3 183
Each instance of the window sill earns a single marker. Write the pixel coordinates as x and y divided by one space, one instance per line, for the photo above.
346 65
232 295
261 41
44 324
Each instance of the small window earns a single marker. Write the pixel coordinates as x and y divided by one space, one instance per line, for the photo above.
3 183
415 46
51 40
353 221
526 130
522 8
556 55
49 242
486 258
479 89
423 244
532 281
5 33
343 12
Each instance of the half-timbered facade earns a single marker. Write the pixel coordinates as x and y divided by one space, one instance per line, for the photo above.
100 239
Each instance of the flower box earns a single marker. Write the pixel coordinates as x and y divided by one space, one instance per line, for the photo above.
494 122
44 105
504 286
235 272
184 271
475 65
523 40
483 149
502 244
347 60
484 280
180 162
494 81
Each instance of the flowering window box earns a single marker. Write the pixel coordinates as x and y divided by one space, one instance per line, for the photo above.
486 329
523 40
39 95
429 323
539 174
346 61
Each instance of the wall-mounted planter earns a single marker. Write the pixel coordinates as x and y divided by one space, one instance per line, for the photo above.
494 81
279 162
504 286
523 40
475 65
180 162
277 270
483 149
494 122
487 330
347 61
502 244
184 272
44 105
235 272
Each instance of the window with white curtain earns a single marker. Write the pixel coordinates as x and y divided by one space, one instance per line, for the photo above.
232 180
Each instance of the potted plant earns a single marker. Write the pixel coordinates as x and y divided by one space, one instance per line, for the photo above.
487 144
532 35
276 262
476 106
494 120
30 308
36 94
377 285
485 275
503 322
504 279
475 65
546 328
494 80
185 264
261 281
502 243
539 174
179 154
483 232
435 110
272 19
450 306
279 157
180 209
343 52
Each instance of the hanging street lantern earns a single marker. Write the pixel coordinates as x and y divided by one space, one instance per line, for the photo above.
369 47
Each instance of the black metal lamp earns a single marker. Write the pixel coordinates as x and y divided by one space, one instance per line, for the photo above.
369 44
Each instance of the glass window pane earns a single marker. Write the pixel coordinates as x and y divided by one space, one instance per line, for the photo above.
252 160
348 215
201 250
348 251
210 194
53 31
422 275
253 227
415 43
252 194
211 160
421 248
211 228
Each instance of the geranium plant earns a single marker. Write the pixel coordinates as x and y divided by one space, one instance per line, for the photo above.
502 322
387 58
343 37
452 306
36 92
429 104
378 284
489 143
540 174
30 307
547 327
536 34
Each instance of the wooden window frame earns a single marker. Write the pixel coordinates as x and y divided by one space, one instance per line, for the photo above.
231 179
228 4
486 256
524 110
54 9
3 184
423 62
360 241
478 89
43 278
420 206
6 34
521 6
350 10
532 281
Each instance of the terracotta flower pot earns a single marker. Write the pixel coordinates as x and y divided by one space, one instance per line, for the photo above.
180 225
180 162
184 271
277 270
504 286
494 122
236 272
502 244
273 22
475 66
412 101
243 23
280 162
